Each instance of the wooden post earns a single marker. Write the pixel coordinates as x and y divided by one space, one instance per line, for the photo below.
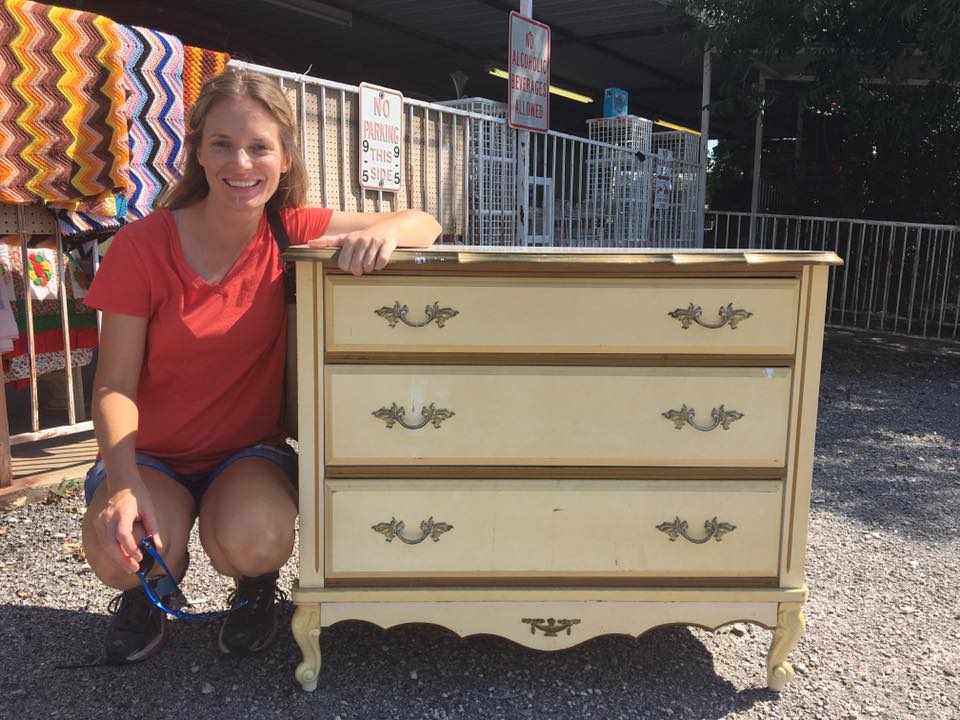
757 150
6 464
704 142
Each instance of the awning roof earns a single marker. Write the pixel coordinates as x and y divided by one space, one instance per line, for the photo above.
642 46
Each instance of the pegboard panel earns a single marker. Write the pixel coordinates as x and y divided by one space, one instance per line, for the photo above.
435 147
432 177
37 220
317 194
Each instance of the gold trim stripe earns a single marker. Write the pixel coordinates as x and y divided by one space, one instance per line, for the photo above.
536 472
468 578
557 359
318 439
797 434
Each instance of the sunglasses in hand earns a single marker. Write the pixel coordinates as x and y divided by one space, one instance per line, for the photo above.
165 593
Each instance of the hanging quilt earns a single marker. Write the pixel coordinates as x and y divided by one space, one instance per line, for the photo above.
199 65
8 323
153 78
63 133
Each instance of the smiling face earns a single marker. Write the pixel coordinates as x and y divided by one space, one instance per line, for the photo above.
241 154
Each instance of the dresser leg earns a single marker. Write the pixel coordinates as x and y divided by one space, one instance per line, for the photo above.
790 626
306 631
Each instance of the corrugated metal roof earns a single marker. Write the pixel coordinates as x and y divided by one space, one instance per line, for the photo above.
643 46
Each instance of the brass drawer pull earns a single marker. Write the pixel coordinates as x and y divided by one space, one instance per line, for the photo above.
431 414
428 529
678 528
398 313
692 315
550 627
721 417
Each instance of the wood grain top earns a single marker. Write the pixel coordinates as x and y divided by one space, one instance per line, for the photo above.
479 257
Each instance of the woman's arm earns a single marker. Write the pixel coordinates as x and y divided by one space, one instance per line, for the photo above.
115 421
366 240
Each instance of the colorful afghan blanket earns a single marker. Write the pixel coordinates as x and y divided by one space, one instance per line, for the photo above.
63 133
199 65
153 62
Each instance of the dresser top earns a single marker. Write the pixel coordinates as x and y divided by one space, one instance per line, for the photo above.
475 255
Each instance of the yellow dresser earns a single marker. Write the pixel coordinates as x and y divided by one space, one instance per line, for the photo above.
551 445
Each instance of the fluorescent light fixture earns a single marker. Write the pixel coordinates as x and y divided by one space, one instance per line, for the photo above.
569 94
315 9
674 126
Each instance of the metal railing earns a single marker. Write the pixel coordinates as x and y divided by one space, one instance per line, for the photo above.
435 177
585 193
897 277
467 167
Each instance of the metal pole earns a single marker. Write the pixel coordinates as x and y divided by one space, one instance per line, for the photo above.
467 161
704 142
757 149
523 160
798 143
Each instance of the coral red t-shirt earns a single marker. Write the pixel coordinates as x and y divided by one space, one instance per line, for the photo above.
212 377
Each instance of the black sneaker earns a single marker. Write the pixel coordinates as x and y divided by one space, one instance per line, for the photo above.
137 630
251 627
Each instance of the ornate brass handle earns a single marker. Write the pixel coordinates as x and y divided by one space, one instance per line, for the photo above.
550 627
678 528
692 314
398 313
431 414
721 417
428 529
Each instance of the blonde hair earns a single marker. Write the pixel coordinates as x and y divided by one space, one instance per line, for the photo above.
238 83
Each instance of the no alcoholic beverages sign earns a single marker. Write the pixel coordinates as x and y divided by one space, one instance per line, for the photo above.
529 93
381 138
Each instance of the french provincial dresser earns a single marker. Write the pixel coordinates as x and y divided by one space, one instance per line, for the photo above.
551 445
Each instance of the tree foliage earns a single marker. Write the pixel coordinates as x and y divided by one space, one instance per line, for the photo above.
889 155
884 151
839 40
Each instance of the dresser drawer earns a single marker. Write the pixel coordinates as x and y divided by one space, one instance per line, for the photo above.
432 529
443 415
573 315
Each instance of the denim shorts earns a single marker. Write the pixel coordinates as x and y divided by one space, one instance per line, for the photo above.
282 456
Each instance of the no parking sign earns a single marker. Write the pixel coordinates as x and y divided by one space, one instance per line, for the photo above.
381 138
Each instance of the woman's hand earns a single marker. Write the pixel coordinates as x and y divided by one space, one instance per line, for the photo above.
115 525
361 250
367 240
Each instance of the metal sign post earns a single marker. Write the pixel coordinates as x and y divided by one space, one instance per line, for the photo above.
529 68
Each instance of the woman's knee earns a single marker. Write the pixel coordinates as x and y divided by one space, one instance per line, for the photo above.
249 543
104 566
247 524
174 508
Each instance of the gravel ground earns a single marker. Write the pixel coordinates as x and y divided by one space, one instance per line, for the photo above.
883 621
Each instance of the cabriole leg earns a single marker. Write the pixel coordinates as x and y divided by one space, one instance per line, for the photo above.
306 631
789 630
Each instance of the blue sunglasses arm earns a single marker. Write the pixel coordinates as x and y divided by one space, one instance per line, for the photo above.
146 545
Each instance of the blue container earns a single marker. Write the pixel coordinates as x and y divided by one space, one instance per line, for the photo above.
614 102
